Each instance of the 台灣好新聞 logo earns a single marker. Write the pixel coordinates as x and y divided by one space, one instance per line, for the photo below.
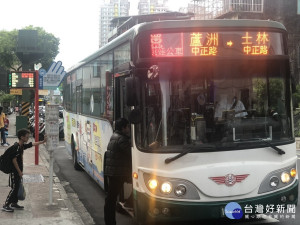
233 211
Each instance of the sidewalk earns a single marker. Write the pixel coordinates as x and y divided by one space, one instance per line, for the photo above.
36 181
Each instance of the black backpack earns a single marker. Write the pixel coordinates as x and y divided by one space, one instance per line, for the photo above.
6 165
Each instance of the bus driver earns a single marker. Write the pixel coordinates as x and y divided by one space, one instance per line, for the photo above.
224 106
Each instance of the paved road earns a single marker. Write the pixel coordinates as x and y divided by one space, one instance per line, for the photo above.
79 183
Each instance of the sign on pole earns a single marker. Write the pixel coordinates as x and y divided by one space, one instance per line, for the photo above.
52 78
52 126
21 79
15 91
52 132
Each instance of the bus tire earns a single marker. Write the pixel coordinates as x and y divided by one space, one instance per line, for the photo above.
74 156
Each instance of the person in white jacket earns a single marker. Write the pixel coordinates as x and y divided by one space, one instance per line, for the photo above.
225 105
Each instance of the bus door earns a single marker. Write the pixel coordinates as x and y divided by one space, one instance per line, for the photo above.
122 110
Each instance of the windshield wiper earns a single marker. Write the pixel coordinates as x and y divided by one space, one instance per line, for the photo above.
280 151
189 149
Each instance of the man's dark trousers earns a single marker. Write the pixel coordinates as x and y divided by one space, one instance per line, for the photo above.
15 184
115 184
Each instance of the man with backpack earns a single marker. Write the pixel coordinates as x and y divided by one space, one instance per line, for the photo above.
14 155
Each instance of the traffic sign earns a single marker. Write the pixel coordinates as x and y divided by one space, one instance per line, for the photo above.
15 91
52 78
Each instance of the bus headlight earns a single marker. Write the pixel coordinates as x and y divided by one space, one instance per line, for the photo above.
166 188
180 190
285 177
152 184
278 179
293 172
274 181
171 188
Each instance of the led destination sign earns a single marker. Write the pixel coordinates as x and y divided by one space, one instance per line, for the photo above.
216 44
21 80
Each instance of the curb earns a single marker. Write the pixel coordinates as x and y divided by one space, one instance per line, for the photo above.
71 200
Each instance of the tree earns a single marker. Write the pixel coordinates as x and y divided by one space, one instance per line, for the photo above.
6 97
8 43
47 42
296 97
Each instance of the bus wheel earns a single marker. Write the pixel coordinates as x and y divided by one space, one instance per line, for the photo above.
74 156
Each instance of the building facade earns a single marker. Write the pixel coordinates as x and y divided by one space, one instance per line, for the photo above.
286 12
108 11
152 6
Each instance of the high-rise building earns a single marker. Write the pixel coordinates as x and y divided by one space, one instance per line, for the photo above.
108 11
152 6
286 12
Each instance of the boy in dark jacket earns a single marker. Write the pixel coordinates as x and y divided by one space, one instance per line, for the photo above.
117 167
17 151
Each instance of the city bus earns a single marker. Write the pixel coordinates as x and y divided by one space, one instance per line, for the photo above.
211 117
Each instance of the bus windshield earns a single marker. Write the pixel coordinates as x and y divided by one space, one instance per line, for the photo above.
221 104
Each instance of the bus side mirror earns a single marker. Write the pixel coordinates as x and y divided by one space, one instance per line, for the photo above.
132 91
135 116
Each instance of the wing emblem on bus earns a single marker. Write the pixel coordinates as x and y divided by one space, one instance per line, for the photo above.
229 179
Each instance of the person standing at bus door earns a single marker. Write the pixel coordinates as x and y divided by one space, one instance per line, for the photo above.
17 151
2 128
118 167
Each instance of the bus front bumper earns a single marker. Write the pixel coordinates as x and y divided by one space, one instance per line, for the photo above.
152 209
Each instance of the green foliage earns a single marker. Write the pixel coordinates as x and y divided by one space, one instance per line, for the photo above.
47 42
296 97
8 43
260 88
275 94
6 97
296 101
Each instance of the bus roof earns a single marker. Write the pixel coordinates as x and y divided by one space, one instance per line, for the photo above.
217 23
175 24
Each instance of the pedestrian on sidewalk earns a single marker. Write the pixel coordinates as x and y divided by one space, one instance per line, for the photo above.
117 167
2 128
6 125
17 151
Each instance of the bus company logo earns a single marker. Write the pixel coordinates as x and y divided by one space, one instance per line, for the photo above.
229 179
233 211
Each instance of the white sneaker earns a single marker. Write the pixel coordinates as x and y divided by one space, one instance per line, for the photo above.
5 145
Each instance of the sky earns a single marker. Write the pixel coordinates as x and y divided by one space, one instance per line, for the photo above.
74 22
